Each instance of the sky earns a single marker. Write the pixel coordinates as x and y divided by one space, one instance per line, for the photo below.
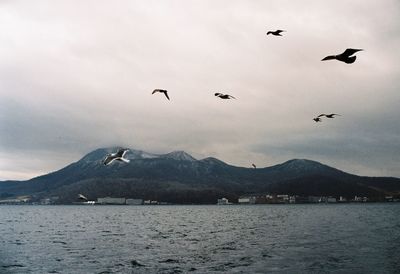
78 75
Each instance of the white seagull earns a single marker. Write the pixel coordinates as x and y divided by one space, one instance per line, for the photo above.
82 197
119 156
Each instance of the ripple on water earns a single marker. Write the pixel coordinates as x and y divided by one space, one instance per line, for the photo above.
202 239
6 266
135 263
169 261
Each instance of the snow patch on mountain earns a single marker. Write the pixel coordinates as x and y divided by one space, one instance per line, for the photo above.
178 155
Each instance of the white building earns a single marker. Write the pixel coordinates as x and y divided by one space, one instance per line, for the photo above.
150 202
247 200
111 201
134 201
223 201
283 198
331 200
45 201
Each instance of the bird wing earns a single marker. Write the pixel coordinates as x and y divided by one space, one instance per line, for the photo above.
121 159
330 57
321 115
157 90
349 52
279 31
124 152
80 196
166 94
121 152
230 96
108 160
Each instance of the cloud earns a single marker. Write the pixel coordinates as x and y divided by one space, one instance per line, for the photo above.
77 76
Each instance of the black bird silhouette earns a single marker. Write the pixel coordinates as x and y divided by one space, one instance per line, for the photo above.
332 115
276 33
317 119
346 56
162 91
254 165
224 96
119 156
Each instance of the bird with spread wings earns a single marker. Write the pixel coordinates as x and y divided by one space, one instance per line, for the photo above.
119 156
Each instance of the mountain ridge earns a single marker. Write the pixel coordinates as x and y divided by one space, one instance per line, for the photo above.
178 177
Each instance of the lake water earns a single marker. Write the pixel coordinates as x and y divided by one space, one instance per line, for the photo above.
334 238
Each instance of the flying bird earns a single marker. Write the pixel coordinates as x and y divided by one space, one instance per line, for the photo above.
346 56
276 33
82 197
119 156
224 96
317 119
332 115
254 166
161 91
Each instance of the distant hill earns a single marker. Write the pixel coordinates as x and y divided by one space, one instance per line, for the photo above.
177 177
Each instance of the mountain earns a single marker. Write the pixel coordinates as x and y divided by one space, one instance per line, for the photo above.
178 177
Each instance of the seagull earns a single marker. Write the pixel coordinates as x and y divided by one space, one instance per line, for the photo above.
81 197
162 91
346 56
119 156
276 33
332 115
317 119
224 96
254 166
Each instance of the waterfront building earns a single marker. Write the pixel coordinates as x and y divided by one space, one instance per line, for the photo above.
282 198
111 201
14 201
45 201
331 200
247 200
134 201
360 199
223 201
150 202
299 200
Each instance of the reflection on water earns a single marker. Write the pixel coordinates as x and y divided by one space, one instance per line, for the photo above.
356 238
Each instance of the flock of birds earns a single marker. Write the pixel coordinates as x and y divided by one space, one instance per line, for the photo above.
347 57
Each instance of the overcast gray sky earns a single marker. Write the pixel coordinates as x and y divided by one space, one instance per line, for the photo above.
78 75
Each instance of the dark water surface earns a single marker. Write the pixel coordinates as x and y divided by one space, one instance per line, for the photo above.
339 238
